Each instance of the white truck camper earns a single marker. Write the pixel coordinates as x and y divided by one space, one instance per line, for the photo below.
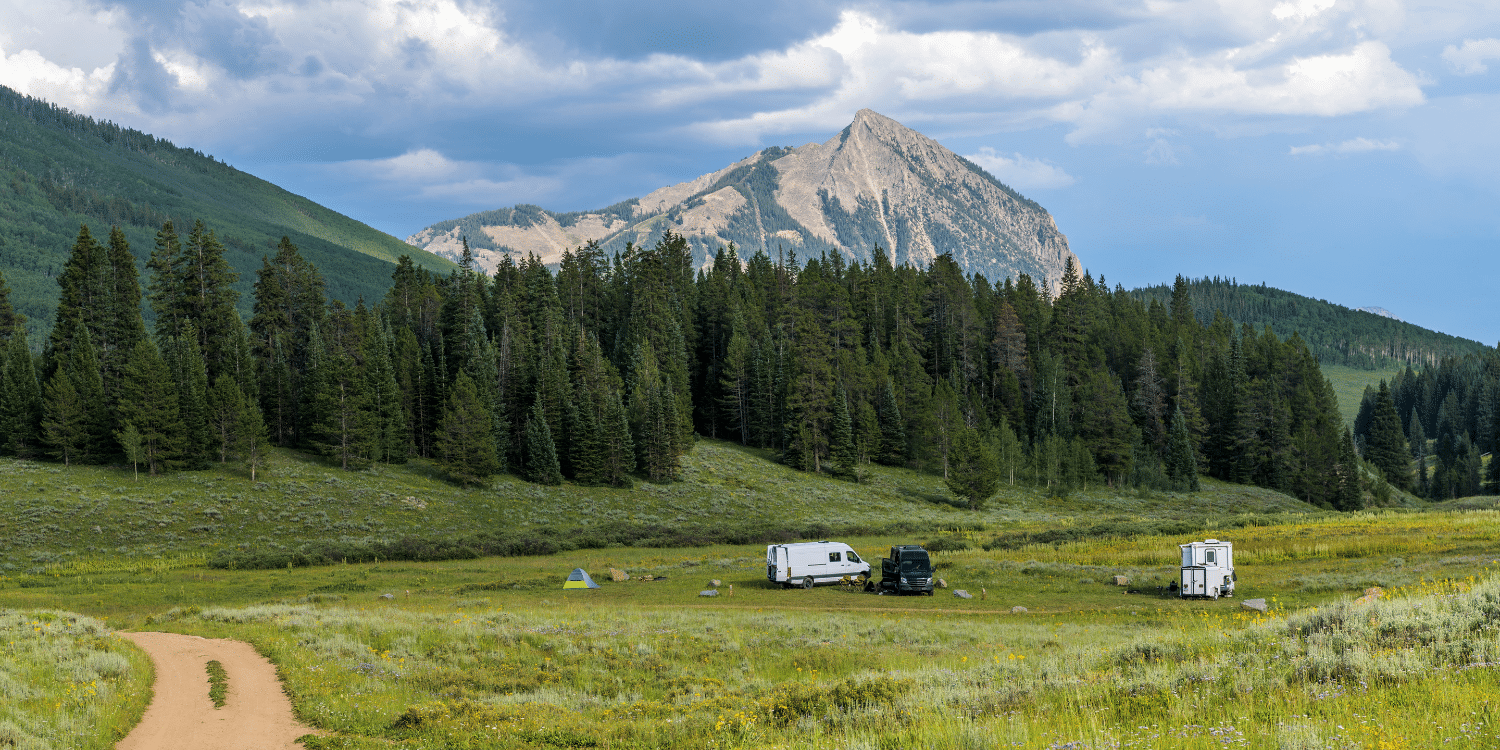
1207 569
808 564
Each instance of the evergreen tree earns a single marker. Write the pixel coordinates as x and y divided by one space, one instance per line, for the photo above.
541 452
974 476
22 399
148 400
1181 460
1386 447
190 376
226 407
65 424
83 297
892 451
845 464
465 443
619 452
123 325
1010 454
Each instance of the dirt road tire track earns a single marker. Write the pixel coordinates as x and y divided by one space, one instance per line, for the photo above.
256 715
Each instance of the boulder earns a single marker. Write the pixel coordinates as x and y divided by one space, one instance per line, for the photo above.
1259 605
618 576
1121 580
960 593
709 592
715 583
942 584
387 597
1018 610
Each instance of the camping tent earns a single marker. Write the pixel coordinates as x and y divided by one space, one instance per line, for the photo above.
579 579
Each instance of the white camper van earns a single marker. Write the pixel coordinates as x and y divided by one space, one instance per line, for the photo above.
1207 569
807 564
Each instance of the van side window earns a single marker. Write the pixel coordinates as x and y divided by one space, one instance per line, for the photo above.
1208 555
851 557
833 557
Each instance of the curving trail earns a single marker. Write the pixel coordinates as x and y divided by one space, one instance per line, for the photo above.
255 716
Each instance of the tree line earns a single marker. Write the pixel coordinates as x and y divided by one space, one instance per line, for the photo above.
1428 431
603 372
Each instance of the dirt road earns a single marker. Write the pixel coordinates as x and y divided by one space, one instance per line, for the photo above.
256 714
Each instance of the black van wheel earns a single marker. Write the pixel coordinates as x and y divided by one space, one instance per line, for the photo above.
807 582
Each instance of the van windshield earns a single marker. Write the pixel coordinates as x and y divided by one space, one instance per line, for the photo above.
918 565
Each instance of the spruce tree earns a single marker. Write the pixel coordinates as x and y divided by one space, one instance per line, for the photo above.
465 444
83 297
22 399
226 407
841 447
541 451
190 376
122 325
148 400
65 426
1181 459
892 450
1386 447
974 475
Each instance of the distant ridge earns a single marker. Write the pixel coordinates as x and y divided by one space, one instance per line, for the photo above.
1337 335
59 169
876 182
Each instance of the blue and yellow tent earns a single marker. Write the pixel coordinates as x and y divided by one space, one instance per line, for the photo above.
579 579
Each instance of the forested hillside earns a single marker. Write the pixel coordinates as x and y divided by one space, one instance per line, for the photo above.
1337 335
1430 430
59 170
603 372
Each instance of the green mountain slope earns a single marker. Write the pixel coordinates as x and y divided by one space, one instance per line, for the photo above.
59 169
1335 334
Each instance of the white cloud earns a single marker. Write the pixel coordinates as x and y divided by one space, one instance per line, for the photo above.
1351 146
1161 152
1301 9
1021 172
1469 59
28 72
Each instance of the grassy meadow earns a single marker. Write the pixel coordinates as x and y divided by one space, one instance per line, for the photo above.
491 652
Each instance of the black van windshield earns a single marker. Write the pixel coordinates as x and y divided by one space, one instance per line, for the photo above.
919 565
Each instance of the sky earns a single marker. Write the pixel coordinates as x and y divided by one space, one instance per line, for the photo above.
1348 150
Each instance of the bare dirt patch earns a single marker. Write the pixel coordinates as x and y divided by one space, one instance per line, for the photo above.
256 714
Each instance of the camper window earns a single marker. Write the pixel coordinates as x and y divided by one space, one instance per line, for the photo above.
851 557
833 557
1208 556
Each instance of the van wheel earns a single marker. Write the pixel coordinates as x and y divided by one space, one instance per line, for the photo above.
807 582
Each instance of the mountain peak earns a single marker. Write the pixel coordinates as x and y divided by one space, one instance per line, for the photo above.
877 183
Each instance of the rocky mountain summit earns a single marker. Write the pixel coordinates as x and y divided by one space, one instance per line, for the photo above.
875 183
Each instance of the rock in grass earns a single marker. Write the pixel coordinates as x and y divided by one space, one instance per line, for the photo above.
962 594
1121 581
1018 610
714 583
387 597
618 576
1259 605
709 592
942 584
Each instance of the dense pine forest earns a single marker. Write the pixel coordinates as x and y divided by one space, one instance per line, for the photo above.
1337 335
604 371
1430 430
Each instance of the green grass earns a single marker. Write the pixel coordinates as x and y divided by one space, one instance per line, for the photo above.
1349 385
491 652
100 520
218 683
67 682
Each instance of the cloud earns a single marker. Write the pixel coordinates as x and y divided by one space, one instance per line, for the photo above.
1021 172
1351 146
1469 59
28 72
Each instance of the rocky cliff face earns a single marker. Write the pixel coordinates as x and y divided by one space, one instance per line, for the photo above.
876 183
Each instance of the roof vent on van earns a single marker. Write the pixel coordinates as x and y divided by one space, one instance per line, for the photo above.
1210 541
